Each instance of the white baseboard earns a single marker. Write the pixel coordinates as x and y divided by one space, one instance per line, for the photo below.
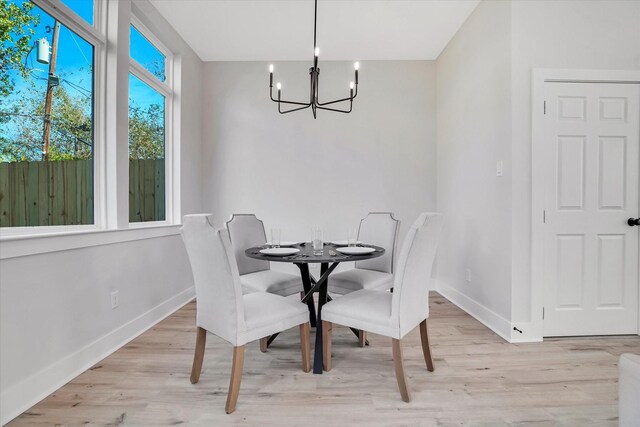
20 397
484 315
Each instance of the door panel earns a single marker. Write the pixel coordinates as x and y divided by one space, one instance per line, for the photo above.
591 138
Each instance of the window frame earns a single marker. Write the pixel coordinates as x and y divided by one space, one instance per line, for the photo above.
95 36
166 89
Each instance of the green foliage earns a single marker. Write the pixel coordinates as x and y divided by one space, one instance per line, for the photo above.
71 128
16 31
146 132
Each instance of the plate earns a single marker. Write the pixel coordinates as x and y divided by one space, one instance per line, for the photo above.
344 242
279 251
285 243
355 250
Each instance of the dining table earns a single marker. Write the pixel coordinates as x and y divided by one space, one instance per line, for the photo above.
329 259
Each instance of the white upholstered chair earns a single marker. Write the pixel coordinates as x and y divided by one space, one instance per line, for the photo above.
380 229
246 231
393 314
223 310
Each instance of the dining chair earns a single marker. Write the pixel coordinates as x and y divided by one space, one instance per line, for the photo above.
223 310
393 314
246 231
380 229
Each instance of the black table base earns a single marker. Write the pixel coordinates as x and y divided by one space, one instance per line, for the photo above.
328 261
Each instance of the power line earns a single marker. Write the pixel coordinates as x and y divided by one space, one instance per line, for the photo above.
79 48
80 89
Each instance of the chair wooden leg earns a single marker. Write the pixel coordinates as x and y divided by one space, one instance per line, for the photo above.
305 330
327 329
399 368
426 348
198 356
362 338
263 344
236 377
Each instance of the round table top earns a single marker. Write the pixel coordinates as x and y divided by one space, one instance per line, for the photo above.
329 254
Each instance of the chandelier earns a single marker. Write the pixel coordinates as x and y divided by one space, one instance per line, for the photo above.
314 72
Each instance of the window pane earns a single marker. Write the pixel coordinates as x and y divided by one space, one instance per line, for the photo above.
146 54
46 123
146 152
84 8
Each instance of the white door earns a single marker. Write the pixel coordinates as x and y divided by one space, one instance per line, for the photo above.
591 140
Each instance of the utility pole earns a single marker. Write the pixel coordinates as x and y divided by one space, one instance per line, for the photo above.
49 99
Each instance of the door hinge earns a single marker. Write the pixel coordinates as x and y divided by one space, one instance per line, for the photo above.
544 108
542 313
544 216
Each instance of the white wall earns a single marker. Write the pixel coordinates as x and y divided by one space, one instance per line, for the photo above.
294 171
558 34
55 312
474 132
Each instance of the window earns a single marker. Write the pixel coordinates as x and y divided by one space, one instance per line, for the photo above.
46 120
58 130
149 96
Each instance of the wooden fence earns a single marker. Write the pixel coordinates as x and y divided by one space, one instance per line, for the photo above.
61 192
146 190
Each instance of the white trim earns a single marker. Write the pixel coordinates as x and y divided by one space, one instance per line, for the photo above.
73 21
18 246
8 233
172 193
149 79
486 316
20 397
539 76
99 129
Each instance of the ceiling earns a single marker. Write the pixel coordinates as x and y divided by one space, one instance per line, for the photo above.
281 30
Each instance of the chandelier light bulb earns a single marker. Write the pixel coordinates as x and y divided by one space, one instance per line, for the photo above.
271 68
351 85
317 51
278 86
356 65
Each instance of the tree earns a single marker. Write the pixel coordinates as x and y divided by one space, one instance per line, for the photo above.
16 31
146 132
71 128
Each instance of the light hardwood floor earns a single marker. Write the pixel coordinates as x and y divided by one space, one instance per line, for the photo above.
479 380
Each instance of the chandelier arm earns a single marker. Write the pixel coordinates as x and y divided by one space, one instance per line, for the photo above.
306 104
292 110
336 110
286 102
351 98
318 103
